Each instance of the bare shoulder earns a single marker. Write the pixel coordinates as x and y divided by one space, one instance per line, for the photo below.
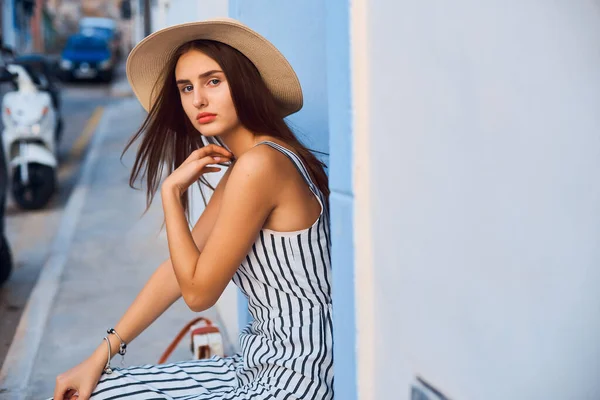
262 162
259 174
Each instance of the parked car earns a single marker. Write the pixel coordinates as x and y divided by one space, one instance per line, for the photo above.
87 56
103 27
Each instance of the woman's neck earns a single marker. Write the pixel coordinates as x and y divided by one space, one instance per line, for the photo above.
240 141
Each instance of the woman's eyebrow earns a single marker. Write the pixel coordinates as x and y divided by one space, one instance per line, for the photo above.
203 75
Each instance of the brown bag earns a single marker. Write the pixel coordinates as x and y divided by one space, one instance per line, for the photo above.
205 340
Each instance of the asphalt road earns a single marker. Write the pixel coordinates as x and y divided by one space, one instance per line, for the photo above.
30 233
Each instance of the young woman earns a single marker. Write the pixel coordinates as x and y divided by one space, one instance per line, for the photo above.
265 226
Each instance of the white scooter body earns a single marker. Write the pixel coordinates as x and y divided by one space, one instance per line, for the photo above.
30 123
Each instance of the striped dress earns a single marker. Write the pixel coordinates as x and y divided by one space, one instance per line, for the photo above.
286 351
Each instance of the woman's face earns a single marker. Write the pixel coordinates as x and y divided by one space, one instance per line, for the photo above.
204 94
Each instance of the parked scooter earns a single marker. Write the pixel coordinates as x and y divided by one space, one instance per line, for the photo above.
5 255
6 262
31 125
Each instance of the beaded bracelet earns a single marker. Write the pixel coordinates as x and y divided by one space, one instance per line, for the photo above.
122 345
107 367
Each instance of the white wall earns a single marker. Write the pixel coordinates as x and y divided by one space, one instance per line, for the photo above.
484 124
8 26
172 12
180 11
137 22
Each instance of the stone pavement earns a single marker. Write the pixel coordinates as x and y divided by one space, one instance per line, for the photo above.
103 253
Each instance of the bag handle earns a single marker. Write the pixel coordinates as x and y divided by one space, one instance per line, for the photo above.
180 336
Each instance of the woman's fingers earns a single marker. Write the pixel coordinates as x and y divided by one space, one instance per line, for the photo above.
60 388
209 151
64 391
204 161
201 166
193 171
207 170
188 173
211 158
214 149
71 394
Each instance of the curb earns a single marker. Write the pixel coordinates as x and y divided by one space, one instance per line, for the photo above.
121 89
120 86
20 359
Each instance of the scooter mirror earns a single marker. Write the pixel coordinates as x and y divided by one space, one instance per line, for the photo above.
6 75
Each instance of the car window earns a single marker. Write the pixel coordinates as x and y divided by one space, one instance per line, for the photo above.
107 33
86 44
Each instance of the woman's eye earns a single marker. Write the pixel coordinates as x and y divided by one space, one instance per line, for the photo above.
214 82
187 88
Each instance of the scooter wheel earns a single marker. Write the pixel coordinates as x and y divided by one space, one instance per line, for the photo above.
5 260
38 191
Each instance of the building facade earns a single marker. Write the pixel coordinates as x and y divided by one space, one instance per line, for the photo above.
463 159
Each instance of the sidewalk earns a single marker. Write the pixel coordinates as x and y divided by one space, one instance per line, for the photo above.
103 253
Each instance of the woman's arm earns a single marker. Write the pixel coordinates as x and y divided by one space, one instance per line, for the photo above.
157 295
248 199
162 289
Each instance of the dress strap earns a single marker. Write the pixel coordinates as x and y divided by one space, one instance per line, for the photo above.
294 158
299 166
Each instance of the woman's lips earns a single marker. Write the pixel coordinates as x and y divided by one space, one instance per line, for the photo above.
205 118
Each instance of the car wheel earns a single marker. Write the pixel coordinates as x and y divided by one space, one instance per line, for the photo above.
66 76
59 130
107 77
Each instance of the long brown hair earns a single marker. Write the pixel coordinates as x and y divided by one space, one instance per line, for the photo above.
169 137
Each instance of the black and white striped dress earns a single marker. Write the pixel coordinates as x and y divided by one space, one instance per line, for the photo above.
286 351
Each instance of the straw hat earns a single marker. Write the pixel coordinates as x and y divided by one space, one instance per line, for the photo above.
148 58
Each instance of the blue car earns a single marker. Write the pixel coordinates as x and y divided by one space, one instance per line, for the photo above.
87 57
106 27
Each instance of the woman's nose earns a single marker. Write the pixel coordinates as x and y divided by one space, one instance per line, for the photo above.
199 99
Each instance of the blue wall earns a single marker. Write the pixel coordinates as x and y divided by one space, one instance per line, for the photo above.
299 33
297 29
342 197
314 37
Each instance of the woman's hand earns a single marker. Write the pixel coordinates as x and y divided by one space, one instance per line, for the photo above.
80 381
195 166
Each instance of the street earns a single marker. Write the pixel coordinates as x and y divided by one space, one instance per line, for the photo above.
101 248
30 233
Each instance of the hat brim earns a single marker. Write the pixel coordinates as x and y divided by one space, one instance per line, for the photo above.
147 60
